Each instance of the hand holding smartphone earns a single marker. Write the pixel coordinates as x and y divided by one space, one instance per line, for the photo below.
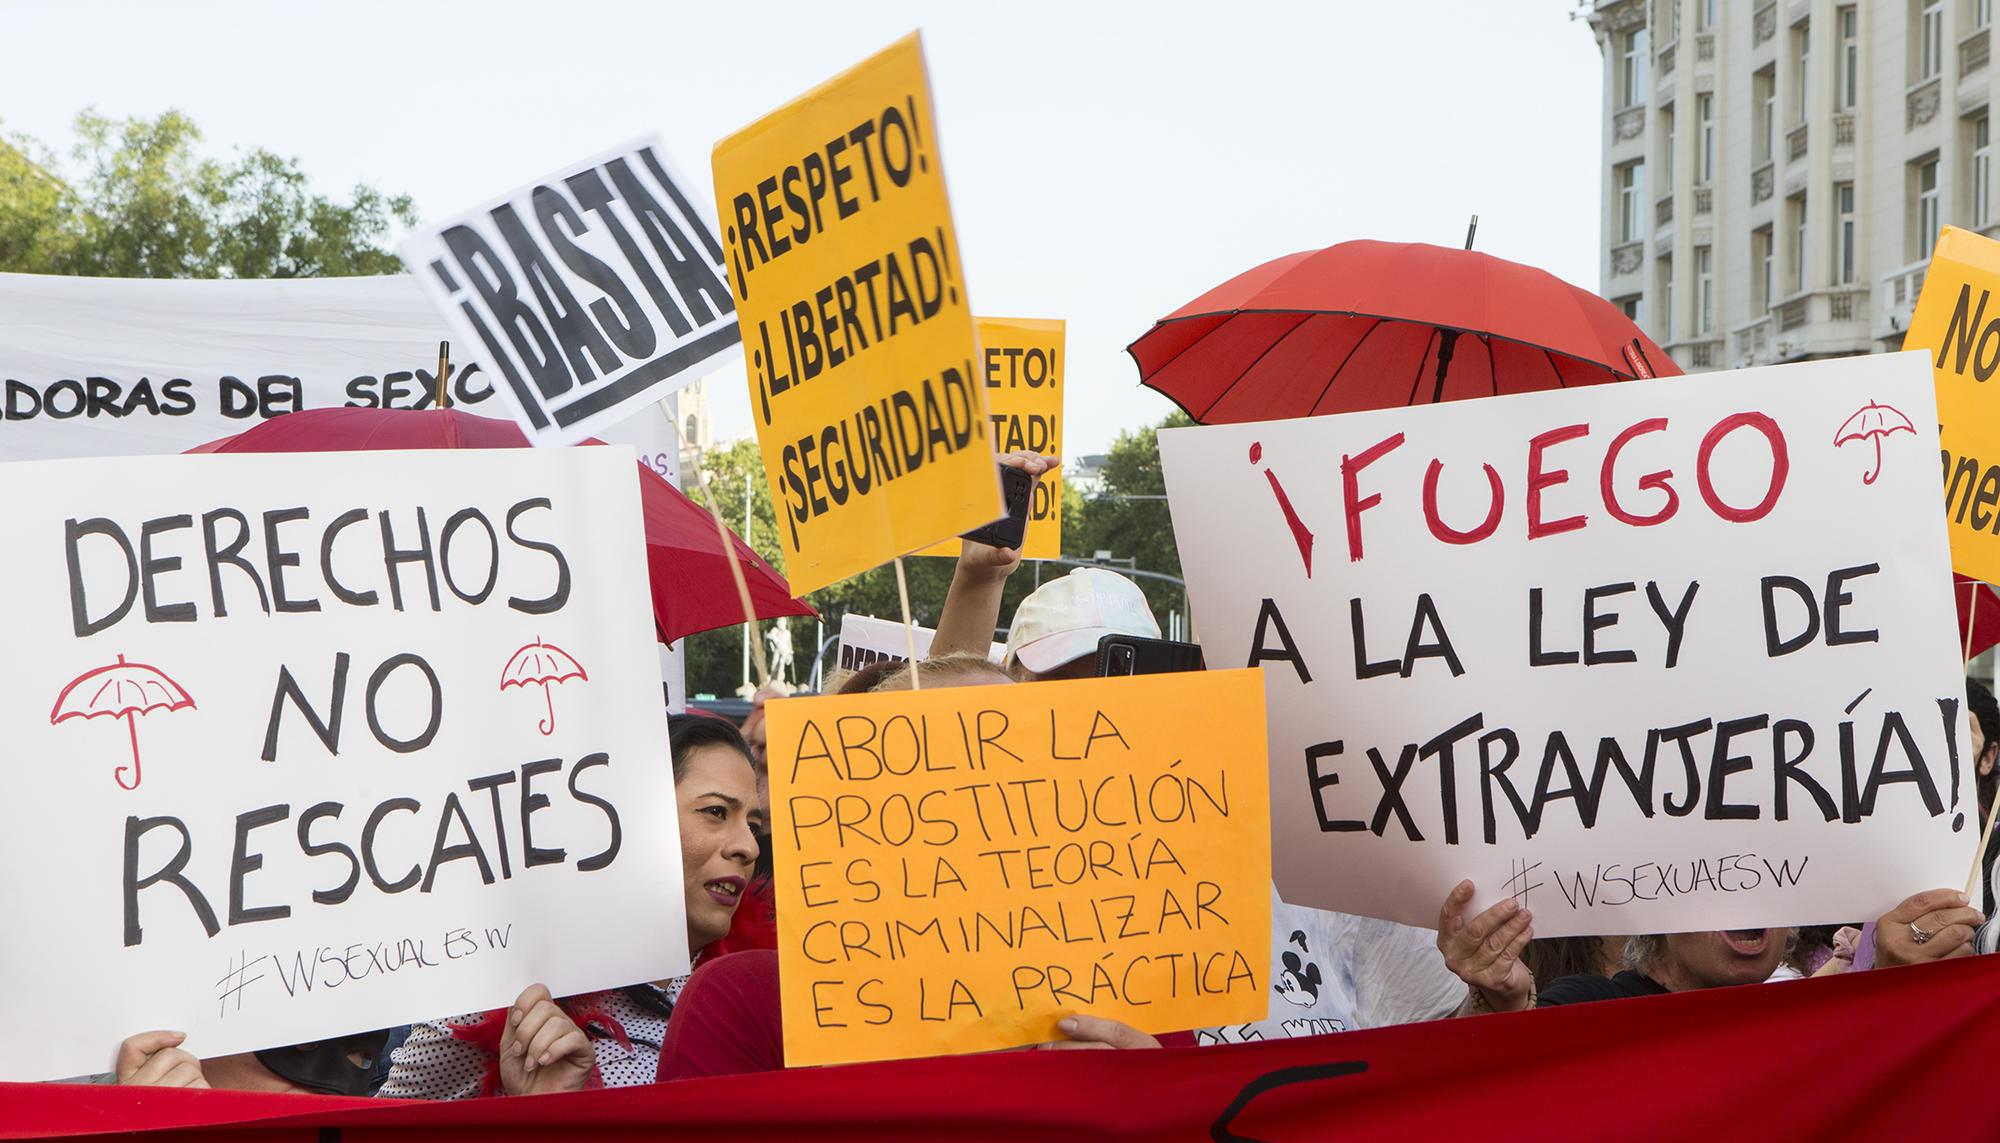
1009 531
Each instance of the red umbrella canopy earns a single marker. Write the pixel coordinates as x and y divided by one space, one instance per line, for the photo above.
685 565
1978 614
1372 325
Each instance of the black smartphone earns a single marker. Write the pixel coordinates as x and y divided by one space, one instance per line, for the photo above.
1135 655
1018 488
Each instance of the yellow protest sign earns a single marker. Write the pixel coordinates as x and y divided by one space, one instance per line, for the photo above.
961 867
852 302
1957 322
1021 362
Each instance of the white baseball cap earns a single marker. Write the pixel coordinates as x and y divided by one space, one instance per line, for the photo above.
1062 620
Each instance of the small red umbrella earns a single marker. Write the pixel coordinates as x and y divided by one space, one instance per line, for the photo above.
1872 422
691 584
1372 325
120 690
544 665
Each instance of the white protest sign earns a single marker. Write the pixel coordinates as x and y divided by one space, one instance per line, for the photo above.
591 291
1651 657
141 367
864 640
299 746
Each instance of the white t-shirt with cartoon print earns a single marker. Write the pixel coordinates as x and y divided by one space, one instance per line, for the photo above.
1334 972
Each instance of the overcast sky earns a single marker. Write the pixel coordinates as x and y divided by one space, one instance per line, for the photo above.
1107 162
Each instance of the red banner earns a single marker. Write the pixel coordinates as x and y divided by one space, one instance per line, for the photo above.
1908 1052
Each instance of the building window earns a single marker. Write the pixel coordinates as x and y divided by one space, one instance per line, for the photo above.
1982 13
1671 19
1629 306
1802 69
1704 113
1764 91
1762 258
1704 290
1930 39
1843 233
1848 61
1632 69
1927 209
1982 172
1705 11
1667 149
1666 326
1798 212
1631 202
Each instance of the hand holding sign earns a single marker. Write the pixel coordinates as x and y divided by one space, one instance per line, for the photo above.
1930 925
156 1059
541 1048
1485 952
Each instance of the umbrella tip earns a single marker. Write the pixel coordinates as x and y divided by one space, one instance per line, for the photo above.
1471 229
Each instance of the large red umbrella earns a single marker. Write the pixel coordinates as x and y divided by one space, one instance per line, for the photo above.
692 587
1371 325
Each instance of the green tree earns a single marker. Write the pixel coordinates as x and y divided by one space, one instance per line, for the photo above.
145 203
33 206
1129 516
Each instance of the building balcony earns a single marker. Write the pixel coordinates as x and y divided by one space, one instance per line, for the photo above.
1753 343
1843 129
1705 351
1626 258
1795 144
1704 200
1818 323
1974 51
1663 211
1628 124
1704 48
1920 103
1764 24
1762 180
1664 61
1899 298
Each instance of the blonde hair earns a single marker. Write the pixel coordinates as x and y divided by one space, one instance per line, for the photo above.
955 666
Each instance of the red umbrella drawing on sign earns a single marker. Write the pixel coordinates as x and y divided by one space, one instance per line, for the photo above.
1873 422
544 665
120 690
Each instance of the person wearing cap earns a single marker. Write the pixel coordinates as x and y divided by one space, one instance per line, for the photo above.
1057 627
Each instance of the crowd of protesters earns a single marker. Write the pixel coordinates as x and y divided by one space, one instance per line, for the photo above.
1330 972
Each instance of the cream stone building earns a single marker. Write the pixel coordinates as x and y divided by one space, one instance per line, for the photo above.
1776 171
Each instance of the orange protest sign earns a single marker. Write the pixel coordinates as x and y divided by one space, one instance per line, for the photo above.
851 297
961 867
1957 323
1021 362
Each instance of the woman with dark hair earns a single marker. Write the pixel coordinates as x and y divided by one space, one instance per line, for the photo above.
1985 713
1552 958
608 1039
